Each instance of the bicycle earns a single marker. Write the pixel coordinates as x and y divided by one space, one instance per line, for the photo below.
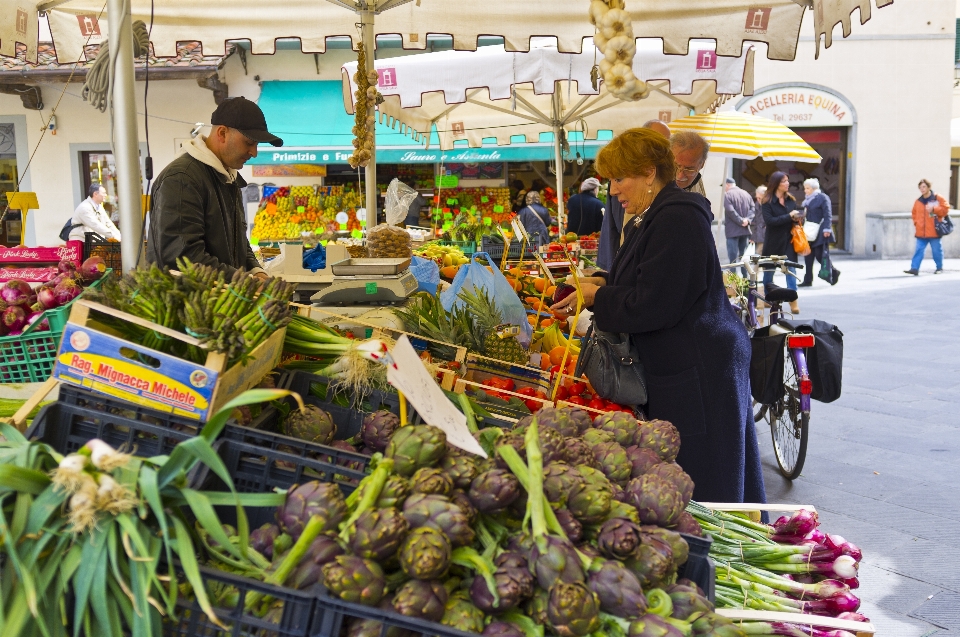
789 413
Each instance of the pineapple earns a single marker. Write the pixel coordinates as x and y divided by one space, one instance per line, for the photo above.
486 318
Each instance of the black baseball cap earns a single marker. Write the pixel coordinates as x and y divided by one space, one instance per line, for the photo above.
245 116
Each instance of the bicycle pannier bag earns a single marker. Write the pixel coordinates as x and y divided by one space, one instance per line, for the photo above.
800 244
943 226
825 360
612 364
766 366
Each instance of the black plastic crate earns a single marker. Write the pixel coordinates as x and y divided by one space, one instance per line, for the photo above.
495 250
109 251
299 617
335 615
303 382
699 567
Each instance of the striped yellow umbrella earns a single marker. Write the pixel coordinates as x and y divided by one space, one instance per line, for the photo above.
744 136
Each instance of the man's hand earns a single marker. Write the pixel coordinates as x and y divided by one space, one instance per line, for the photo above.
745 223
261 276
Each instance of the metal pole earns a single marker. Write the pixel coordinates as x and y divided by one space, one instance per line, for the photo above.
558 159
368 37
125 140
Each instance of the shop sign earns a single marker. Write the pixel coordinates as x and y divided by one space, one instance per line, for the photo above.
798 107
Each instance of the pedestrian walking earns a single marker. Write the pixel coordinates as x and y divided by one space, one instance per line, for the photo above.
758 229
927 209
738 212
816 209
780 213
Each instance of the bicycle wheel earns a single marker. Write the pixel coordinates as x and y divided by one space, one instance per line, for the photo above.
788 425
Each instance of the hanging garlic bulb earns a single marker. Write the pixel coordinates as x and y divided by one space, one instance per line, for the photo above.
615 39
598 9
616 22
620 49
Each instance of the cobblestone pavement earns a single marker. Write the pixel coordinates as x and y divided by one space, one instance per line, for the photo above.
883 463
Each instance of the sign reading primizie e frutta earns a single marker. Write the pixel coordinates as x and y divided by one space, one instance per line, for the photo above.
798 106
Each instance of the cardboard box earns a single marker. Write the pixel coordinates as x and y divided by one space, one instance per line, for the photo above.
91 357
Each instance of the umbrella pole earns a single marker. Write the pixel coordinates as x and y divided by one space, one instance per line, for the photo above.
558 159
125 141
369 40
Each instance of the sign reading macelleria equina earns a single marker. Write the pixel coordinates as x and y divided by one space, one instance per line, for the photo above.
798 106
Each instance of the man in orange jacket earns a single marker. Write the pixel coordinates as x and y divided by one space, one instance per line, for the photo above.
928 208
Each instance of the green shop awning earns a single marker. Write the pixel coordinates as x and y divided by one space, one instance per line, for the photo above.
315 128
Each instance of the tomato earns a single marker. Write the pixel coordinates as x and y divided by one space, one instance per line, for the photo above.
502 383
527 391
578 388
562 393
597 403
541 394
576 400
533 405
554 371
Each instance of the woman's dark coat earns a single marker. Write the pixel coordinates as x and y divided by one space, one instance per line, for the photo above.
820 211
779 225
665 289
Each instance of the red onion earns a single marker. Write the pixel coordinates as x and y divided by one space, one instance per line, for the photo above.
838 543
92 269
853 617
16 292
44 325
14 318
66 291
852 582
45 297
800 523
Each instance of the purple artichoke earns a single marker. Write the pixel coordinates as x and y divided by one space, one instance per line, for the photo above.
431 481
559 479
678 545
441 514
688 525
261 539
394 492
642 460
687 601
657 500
355 579
462 500
577 452
378 428
590 501
652 626
563 420
309 499
494 491
681 480
502 629
552 560
321 552
613 462
662 437
551 442
425 554
571 525
596 436
460 469
617 588
423 600
619 539
652 563
416 446
461 614
311 424
513 587
573 610
622 425
378 533
536 608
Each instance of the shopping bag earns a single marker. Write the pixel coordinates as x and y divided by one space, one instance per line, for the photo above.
315 258
827 272
477 275
811 229
427 274
800 244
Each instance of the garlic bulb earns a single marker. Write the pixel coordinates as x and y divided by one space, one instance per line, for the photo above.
598 9
605 67
616 22
620 49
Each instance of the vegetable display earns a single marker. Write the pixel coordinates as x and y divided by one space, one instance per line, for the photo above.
21 306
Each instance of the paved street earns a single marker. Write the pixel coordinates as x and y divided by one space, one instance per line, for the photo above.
883 465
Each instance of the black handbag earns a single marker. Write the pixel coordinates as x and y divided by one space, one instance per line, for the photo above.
68 228
611 363
943 226
827 272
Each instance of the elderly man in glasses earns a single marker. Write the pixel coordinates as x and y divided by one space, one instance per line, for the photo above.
690 150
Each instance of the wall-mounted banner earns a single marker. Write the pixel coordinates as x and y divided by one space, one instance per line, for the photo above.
798 106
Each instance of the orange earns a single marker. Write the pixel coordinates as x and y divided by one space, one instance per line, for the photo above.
450 271
540 284
531 318
545 363
546 322
550 291
556 354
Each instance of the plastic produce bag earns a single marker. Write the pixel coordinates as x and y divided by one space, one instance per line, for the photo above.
476 275
398 200
386 241
315 258
427 274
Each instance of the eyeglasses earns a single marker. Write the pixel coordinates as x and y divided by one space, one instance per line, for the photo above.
687 171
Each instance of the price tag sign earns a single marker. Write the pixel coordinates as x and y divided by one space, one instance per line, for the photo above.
437 213
498 208
487 221
447 226
544 268
473 208
254 241
409 376
371 287
452 202
518 228
484 199
357 234
301 209
448 215
342 218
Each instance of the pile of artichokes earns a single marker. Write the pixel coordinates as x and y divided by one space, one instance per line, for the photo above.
569 527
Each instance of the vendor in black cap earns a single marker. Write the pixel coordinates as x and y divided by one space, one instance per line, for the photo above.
197 201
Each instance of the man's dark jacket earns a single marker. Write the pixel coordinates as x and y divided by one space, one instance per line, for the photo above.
196 214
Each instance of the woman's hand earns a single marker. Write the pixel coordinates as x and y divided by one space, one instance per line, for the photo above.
569 305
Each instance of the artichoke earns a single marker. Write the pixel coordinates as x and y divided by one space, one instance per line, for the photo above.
322 551
657 500
622 425
559 480
551 442
424 600
678 546
311 424
617 588
613 462
502 629
462 500
355 579
573 610
461 614
343 445
564 420
394 492
571 525
681 480
309 499
460 469
553 559
440 513
577 452
652 626
513 587
688 524
652 563
687 601
431 481
416 446
425 554
596 436
583 418
662 437
642 460
709 624
377 429
494 491
590 503
261 540
619 539
378 533
536 608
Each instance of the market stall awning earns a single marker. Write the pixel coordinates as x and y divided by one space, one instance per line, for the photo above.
732 23
733 134
309 116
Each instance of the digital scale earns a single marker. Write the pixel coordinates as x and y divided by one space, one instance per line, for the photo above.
368 282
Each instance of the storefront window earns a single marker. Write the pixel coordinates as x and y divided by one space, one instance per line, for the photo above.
99 167
9 176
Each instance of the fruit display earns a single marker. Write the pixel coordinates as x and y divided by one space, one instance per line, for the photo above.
445 257
289 211
21 306
482 203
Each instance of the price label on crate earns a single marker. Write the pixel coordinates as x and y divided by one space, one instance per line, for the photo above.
487 221
452 202
484 199
498 208
518 228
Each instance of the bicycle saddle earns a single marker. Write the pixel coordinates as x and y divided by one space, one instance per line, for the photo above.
779 295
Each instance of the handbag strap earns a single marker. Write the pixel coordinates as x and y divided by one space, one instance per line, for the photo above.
621 347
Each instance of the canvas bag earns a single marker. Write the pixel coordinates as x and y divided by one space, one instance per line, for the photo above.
825 360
